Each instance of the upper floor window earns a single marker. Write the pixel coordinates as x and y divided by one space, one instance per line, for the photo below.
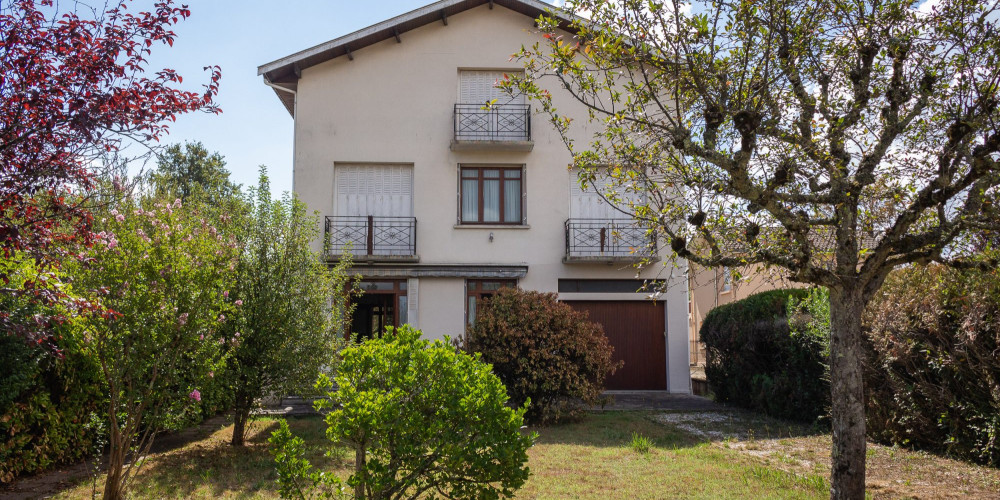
508 119
491 195
480 86
727 280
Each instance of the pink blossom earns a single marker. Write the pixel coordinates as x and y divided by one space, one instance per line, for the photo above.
225 294
201 337
182 319
239 302
211 374
119 217
195 395
177 203
237 334
222 318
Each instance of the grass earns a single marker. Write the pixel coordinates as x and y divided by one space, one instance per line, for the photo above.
640 443
608 455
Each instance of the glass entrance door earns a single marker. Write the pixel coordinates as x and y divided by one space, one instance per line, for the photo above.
383 304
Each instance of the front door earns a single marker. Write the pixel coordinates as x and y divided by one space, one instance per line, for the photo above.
382 304
372 313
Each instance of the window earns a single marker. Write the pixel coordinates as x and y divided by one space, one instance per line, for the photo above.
480 86
727 279
608 286
491 195
477 290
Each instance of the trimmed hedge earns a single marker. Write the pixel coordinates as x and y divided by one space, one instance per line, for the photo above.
755 361
932 373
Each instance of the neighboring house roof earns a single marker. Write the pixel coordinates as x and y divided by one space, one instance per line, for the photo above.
283 74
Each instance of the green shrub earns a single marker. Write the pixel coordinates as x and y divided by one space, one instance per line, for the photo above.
758 359
18 368
934 375
421 417
543 351
292 305
52 421
50 393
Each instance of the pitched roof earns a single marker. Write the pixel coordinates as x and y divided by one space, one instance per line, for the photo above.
283 74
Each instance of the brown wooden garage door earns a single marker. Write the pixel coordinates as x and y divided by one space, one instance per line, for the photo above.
635 329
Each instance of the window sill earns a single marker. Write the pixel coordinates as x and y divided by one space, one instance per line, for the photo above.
492 226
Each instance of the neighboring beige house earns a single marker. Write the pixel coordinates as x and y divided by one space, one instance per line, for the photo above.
444 202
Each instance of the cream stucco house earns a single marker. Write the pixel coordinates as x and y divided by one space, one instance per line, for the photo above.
443 201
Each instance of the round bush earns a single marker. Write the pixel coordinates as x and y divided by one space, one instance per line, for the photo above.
756 361
543 350
421 417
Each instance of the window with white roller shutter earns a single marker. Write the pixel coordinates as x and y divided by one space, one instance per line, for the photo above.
596 228
589 204
378 190
479 86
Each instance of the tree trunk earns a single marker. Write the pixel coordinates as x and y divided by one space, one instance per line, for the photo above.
847 390
360 460
241 414
116 462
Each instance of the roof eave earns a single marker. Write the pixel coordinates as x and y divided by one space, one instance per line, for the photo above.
288 69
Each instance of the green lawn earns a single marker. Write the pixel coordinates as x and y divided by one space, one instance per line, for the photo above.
591 459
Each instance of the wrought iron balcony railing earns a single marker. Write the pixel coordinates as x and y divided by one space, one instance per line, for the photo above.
607 239
373 237
507 122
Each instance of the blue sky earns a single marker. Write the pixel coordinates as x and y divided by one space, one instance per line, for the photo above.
254 128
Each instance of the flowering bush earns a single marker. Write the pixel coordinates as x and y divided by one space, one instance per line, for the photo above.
160 271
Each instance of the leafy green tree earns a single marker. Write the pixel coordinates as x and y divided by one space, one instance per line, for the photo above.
183 172
835 140
160 272
422 418
293 306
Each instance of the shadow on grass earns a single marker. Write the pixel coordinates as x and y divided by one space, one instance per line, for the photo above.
672 430
212 468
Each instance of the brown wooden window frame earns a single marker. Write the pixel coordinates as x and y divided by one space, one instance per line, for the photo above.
398 290
474 289
480 170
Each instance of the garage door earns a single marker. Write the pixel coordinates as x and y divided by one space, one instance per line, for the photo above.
635 329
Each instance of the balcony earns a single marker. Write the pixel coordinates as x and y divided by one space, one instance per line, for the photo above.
499 128
373 238
607 240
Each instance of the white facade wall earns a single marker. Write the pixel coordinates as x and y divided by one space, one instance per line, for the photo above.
394 104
